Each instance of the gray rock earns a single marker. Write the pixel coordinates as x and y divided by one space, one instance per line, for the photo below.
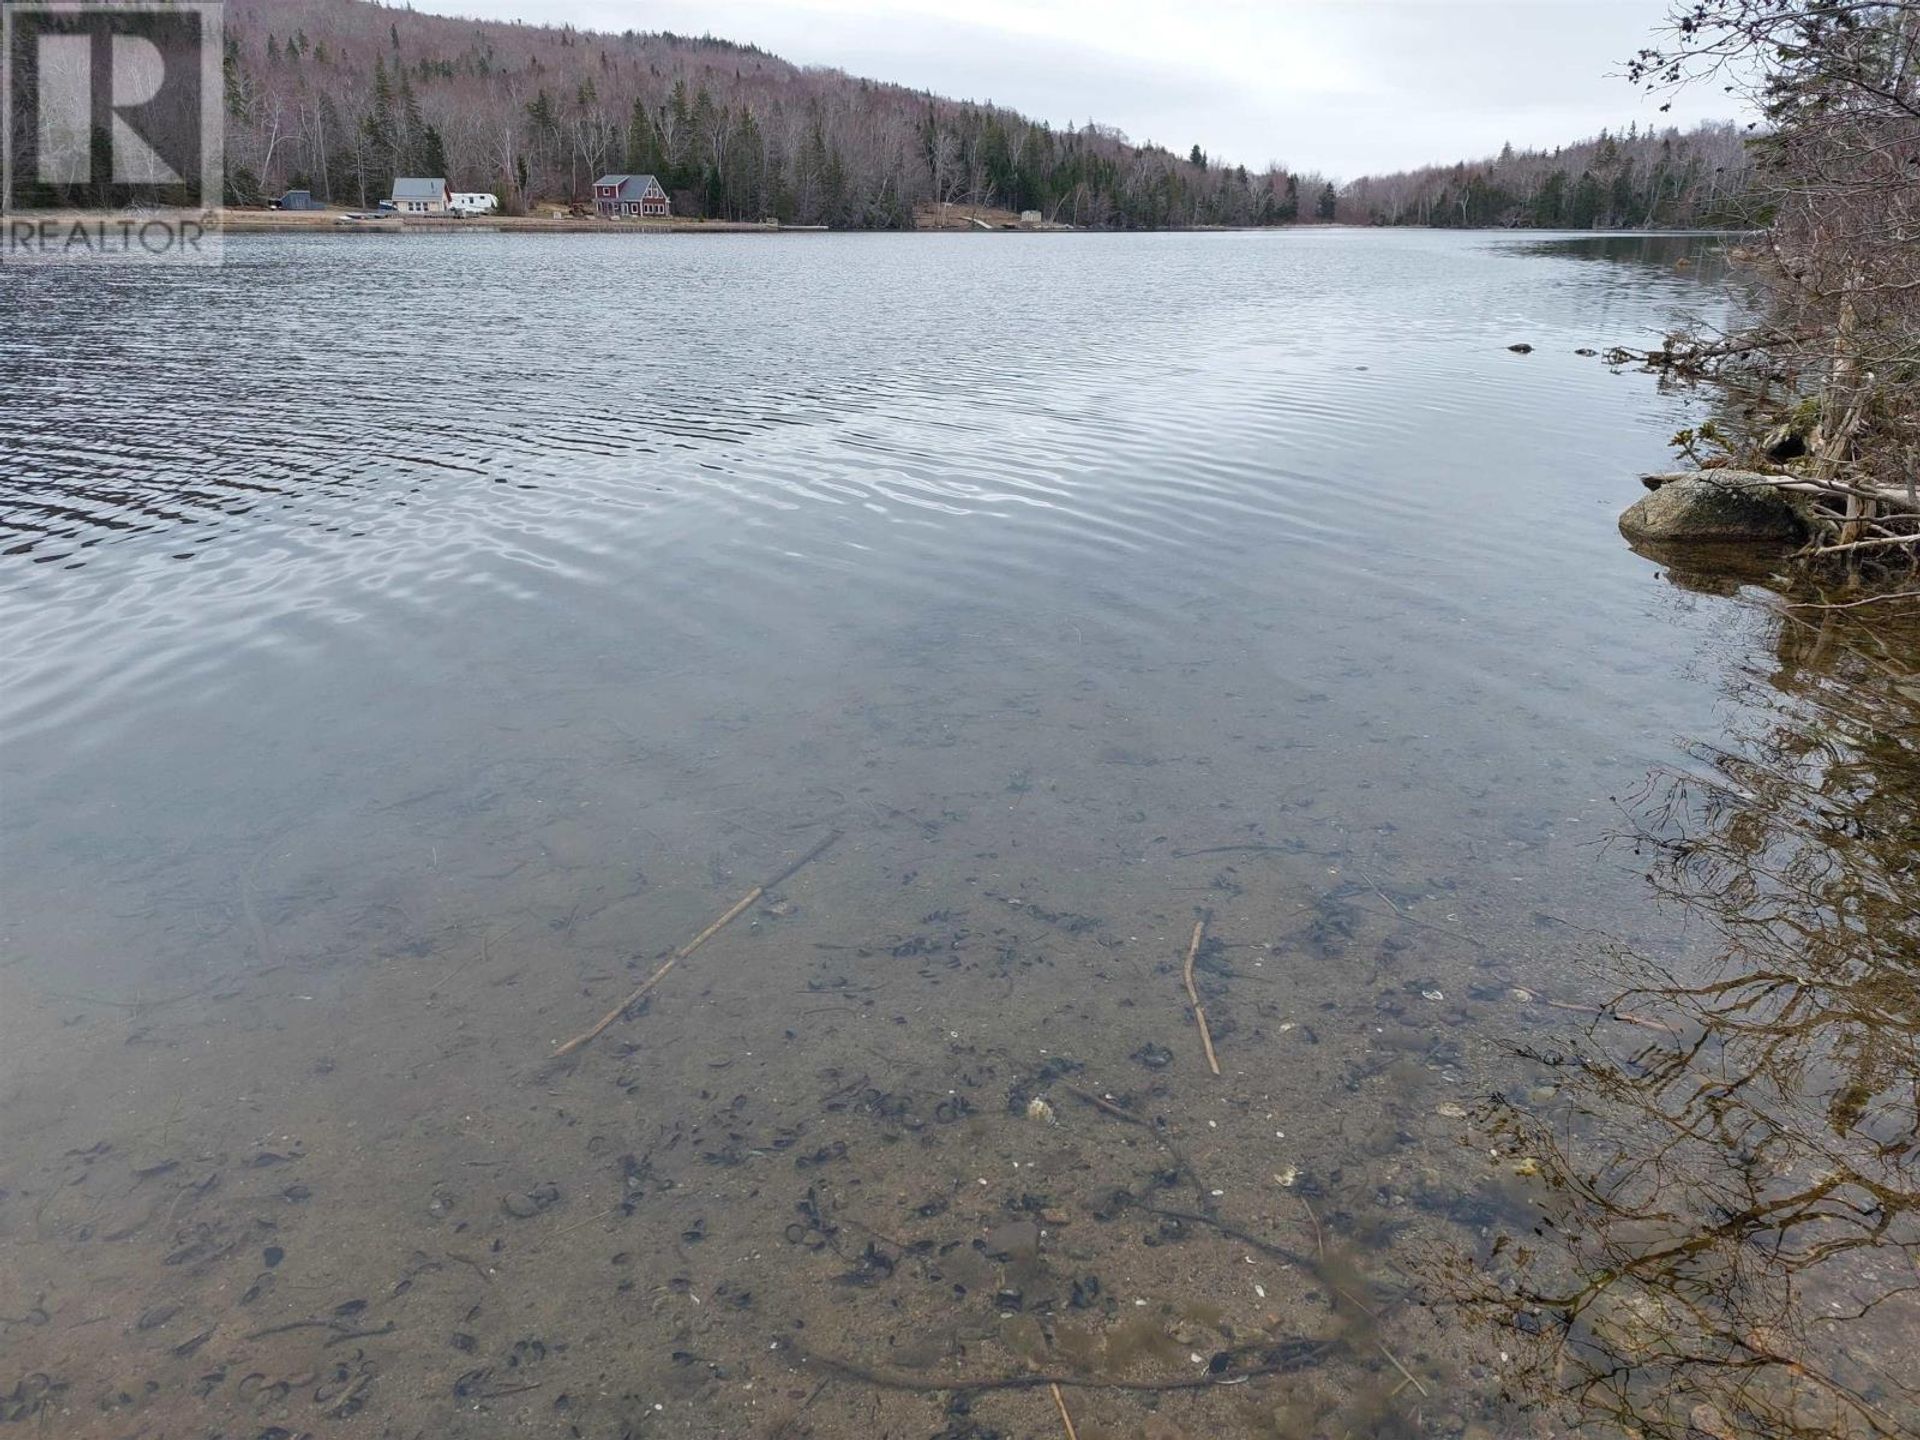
1701 509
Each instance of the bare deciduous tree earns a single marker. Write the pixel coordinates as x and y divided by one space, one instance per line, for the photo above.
1839 84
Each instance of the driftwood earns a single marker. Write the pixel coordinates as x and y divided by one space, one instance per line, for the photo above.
1891 496
1700 357
587 1037
1193 995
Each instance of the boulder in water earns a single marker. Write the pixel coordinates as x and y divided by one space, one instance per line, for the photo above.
1706 509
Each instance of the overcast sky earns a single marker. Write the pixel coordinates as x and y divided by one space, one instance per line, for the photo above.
1341 86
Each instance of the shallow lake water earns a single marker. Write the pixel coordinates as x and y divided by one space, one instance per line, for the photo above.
413 642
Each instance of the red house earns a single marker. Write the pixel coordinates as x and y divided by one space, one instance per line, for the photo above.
621 196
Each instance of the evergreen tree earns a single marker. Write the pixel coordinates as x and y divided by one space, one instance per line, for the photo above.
379 131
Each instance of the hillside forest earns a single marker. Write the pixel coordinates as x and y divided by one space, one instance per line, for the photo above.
340 96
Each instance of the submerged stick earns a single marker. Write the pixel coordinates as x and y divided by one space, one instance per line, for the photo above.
1202 1191
1268 1358
1603 1013
1100 1102
587 1037
1412 1379
1060 1403
1193 995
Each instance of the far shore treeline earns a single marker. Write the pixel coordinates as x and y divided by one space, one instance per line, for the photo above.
340 96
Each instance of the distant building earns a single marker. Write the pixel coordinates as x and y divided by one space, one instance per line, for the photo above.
629 195
422 197
298 200
1031 217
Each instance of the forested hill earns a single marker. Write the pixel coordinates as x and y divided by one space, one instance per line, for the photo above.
339 96
1651 179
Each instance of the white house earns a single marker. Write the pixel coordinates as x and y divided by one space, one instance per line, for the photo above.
422 197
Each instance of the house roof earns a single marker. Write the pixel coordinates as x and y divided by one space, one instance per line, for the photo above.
622 183
434 189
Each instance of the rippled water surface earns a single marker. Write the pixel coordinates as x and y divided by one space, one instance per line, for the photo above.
413 642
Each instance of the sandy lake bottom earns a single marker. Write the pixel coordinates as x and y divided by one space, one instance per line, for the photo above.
410 649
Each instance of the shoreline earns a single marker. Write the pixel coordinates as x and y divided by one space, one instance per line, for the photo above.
334 222
284 222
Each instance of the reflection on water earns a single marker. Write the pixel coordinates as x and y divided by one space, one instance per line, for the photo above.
1728 1234
406 661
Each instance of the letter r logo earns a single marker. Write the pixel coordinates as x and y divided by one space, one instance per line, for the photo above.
137 73
112 103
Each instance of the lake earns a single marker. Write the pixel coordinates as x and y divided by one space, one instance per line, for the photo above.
415 643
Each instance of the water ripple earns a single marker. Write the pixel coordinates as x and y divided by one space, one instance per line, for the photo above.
356 435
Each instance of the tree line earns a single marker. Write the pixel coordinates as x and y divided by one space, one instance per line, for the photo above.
1648 179
339 96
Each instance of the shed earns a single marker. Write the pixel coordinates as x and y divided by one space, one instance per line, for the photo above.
630 195
298 200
